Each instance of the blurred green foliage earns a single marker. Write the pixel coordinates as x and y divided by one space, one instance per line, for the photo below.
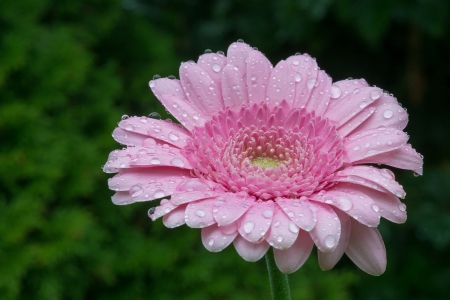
70 69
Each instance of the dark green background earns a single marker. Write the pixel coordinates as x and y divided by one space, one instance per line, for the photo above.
70 69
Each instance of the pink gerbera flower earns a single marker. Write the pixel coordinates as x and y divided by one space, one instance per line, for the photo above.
269 156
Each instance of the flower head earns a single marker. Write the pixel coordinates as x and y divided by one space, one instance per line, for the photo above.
269 156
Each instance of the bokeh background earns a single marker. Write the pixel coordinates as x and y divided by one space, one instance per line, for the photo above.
69 69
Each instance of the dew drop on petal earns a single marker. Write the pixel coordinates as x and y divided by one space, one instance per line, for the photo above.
295 62
124 117
154 115
211 242
310 84
374 95
279 238
129 127
135 190
330 241
267 214
200 213
155 161
388 114
173 136
177 162
402 207
363 104
248 226
335 91
159 194
293 228
344 203
375 207
297 77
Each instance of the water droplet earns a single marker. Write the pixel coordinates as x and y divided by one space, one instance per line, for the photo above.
171 77
200 213
291 214
211 242
129 127
248 226
311 82
173 136
363 104
295 62
276 224
135 190
375 207
374 95
154 115
155 161
356 148
177 162
195 117
124 117
344 203
335 91
267 214
151 211
402 207
330 241
297 77
159 194
152 83
216 68
279 238
388 114
208 51
293 228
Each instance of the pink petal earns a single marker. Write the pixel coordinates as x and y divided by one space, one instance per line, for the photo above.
281 85
199 213
283 232
382 180
291 259
229 207
345 88
365 144
122 198
201 89
328 260
327 231
299 212
188 115
213 63
388 114
166 131
233 87
250 251
172 96
388 205
350 199
366 249
305 71
125 180
214 240
186 197
256 222
258 72
175 217
237 54
320 95
158 155
230 228
355 122
348 107
128 138
164 208
404 157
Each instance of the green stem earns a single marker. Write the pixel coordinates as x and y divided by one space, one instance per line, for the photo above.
279 283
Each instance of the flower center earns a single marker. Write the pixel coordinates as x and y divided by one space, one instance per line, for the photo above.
266 152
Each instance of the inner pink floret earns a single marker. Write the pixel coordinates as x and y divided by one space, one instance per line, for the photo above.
278 153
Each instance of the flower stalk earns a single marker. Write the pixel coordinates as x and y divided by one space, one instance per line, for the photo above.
279 282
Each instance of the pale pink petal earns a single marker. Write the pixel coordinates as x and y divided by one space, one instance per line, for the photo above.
188 115
388 205
305 72
328 260
122 198
128 138
352 201
164 208
388 113
234 89
201 89
125 180
172 96
299 212
214 240
291 259
281 85
320 95
158 155
283 232
404 157
345 88
165 131
250 251
258 72
186 197
230 228
366 249
213 63
229 207
199 214
327 231
348 107
350 126
175 217
365 144
382 180
237 54
256 222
